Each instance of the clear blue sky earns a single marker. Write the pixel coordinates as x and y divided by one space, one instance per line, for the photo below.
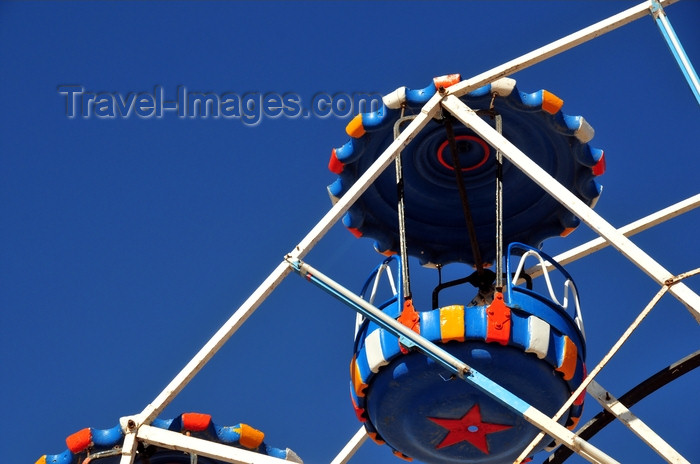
126 242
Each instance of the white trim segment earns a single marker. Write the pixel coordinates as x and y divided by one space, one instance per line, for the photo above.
375 354
538 342
542 178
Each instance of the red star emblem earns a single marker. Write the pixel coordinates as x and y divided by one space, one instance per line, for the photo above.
469 428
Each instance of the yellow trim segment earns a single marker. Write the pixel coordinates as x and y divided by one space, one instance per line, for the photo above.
251 437
567 363
452 323
356 378
355 129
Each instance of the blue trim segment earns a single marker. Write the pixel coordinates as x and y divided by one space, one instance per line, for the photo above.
669 35
108 437
420 96
64 458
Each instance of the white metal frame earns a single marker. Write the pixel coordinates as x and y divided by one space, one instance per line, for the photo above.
589 380
137 428
646 434
629 230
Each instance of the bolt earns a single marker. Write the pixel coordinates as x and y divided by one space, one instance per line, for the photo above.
131 425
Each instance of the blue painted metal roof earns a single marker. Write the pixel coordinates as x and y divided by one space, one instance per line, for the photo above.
435 224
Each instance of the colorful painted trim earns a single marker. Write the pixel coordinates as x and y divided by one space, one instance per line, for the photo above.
559 346
532 121
90 441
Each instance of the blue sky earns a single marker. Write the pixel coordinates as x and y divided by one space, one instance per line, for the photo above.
126 242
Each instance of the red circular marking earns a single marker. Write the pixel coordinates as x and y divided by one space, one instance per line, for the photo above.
484 146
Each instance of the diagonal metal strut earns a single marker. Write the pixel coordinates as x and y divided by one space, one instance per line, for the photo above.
632 252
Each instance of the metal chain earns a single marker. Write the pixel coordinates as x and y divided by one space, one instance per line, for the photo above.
499 209
403 247
463 197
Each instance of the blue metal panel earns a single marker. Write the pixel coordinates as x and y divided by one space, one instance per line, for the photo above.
413 390
430 325
475 321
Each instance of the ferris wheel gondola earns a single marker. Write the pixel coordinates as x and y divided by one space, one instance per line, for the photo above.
435 225
523 340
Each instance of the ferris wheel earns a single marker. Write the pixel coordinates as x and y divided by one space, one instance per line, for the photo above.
484 173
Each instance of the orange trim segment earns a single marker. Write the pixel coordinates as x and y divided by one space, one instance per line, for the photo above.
195 422
567 362
251 438
498 321
356 378
446 80
79 441
355 129
550 102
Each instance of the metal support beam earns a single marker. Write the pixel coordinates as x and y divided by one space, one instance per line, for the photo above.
615 348
351 447
213 345
542 178
429 110
178 441
640 391
556 47
629 230
635 424
129 448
